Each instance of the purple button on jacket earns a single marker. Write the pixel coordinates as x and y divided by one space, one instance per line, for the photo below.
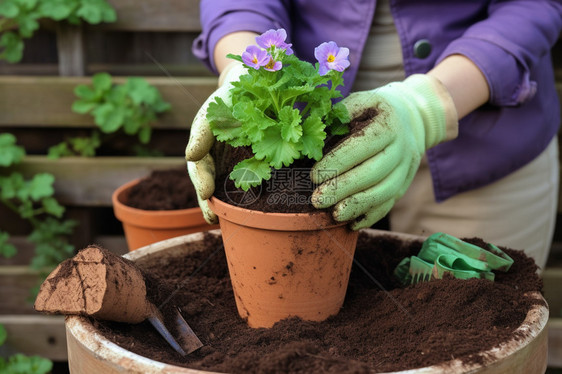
510 41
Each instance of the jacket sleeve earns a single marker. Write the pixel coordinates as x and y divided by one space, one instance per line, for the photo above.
222 17
508 44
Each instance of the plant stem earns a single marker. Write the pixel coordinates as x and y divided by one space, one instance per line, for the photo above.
15 209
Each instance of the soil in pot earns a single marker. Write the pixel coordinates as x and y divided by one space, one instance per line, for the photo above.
382 327
169 189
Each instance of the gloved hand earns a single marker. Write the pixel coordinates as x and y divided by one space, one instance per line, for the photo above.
200 163
375 166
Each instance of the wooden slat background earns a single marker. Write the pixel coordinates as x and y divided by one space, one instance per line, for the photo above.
155 15
47 101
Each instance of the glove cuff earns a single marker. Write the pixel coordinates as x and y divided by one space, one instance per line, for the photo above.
436 107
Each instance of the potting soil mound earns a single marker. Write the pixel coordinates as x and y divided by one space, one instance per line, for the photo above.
168 189
382 327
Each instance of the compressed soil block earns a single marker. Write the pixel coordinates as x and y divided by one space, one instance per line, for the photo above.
382 326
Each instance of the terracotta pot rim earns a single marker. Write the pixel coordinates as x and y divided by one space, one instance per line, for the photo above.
157 218
317 220
83 331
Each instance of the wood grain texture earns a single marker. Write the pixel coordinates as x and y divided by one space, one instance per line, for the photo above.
47 101
555 343
35 335
154 15
91 181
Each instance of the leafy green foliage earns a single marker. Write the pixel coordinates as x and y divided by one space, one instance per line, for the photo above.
283 115
85 146
21 364
33 199
10 153
20 18
130 107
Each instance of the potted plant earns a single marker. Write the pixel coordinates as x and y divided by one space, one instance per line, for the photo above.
281 115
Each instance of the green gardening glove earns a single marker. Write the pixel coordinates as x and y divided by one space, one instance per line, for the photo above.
200 163
375 166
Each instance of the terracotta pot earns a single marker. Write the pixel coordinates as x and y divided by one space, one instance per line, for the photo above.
144 227
285 264
89 352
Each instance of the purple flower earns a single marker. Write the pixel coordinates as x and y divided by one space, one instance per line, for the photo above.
331 57
273 65
274 38
255 57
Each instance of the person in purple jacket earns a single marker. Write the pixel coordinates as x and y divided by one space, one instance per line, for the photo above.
467 143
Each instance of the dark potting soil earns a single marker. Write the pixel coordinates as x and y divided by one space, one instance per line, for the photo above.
168 189
382 326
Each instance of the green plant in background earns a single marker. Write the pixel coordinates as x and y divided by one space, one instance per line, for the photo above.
22 364
20 18
33 200
130 107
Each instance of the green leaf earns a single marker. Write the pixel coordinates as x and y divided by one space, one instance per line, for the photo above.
289 120
10 153
27 25
313 138
145 134
11 185
85 92
27 4
9 9
250 85
59 150
250 173
339 129
253 120
108 14
13 47
86 146
3 335
41 185
96 11
161 106
52 207
108 117
224 125
83 106
57 9
7 250
340 112
21 364
140 91
90 12
102 82
275 150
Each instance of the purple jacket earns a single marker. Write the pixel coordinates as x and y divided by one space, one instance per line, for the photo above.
510 41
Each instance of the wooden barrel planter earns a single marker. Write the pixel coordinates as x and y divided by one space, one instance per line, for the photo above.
90 352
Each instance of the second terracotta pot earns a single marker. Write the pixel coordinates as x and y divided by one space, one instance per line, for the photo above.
285 264
144 227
